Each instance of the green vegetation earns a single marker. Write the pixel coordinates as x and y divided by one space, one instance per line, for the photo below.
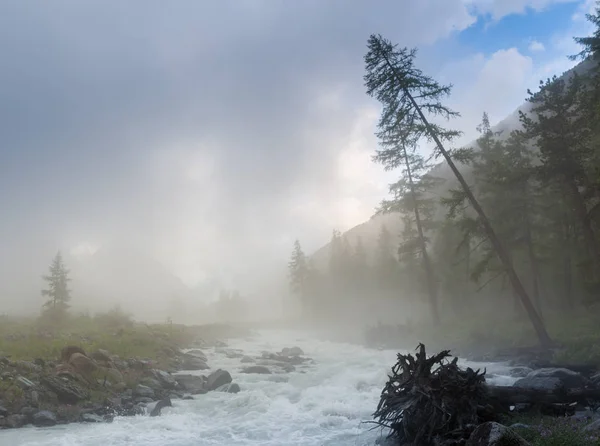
551 431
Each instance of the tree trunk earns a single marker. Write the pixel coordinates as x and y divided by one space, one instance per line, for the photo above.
586 224
536 321
533 261
430 277
567 264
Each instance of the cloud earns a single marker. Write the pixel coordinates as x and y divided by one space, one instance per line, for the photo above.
535 46
501 8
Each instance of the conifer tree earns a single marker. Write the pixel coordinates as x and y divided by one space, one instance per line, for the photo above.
407 95
58 293
298 272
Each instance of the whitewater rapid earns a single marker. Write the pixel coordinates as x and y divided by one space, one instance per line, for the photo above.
323 404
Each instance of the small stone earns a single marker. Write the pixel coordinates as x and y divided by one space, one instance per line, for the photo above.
259 369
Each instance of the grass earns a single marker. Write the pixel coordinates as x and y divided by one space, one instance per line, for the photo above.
551 431
29 339
578 333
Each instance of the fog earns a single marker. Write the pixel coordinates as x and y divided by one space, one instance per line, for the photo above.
172 152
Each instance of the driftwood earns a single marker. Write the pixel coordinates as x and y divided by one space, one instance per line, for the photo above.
431 401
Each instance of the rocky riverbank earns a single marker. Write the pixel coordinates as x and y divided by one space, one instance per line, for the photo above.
96 386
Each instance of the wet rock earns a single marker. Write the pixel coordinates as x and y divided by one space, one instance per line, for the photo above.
187 396
14 421
198 354
247 360
66 391
144 400
190 362
152 383
192 383
520 372
155 411
293 351
165 379
44 418
552 379
494 434
3 411
218 378
91 418
229 388
259 369
143 391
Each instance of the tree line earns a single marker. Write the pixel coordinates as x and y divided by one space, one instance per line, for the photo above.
520 218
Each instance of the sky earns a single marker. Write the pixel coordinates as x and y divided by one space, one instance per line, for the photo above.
214 133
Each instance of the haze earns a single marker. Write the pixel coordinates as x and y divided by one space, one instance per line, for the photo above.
208 136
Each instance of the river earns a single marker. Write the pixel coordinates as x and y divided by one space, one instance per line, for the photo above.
322 404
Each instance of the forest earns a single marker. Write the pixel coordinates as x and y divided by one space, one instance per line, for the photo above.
508 247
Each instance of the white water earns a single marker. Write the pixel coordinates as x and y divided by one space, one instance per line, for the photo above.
325 405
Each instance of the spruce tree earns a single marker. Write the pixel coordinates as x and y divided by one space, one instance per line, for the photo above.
299 274
407 95
58 293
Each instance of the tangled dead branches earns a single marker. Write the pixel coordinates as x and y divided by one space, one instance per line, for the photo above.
431 401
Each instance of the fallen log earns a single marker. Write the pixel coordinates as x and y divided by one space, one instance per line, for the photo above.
506 396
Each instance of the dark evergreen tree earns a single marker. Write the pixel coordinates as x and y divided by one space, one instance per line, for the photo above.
299 273
58 293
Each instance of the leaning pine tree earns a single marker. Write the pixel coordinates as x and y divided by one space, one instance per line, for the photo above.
406 95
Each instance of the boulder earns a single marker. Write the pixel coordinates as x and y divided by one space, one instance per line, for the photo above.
67 392
91 418
143 391
247 360
259 369
192 383
3 411
293 351
44 418
495 434
69 350
155 411
13 421
218 378
83 364
229 388
198 354
551 379
165 379
190 362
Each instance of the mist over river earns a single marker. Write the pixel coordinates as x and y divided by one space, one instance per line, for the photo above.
326 403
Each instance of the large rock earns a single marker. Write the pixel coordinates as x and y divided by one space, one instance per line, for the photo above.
190 362
69 350
259 369
552 379
83 364
198 354
192 383
229 388
66 391
44 418
155 411
495 434
293 351
218 378
143 391
165 379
